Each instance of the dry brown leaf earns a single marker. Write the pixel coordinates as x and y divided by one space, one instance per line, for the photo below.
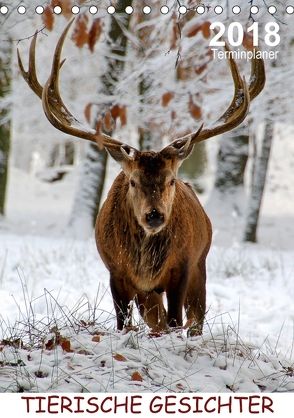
136 377
119 357
80 33
50 344
194 30
182 72
48 18
123 115
206 29
173 115
84 352
94 34
98 126
175 34
166 98
194 109
96 338
115 111
87 112
65 345
108 122
199 70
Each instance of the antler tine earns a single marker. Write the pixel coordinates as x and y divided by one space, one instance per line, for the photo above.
239 106
56 111
30 76
257 78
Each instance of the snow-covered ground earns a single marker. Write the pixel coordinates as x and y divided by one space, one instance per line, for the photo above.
58 323
56 293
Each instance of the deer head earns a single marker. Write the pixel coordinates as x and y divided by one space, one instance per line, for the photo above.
151 176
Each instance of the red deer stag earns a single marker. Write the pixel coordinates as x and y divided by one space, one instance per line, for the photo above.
152 233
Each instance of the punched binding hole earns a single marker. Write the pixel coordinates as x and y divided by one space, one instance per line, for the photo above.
75 10
236 10
3 10
57 10
21 10
93 10
39 10
164 10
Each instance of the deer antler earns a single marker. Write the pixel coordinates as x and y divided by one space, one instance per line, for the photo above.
239 107
55 110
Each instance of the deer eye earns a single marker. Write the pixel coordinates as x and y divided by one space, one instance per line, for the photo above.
173 182
132 183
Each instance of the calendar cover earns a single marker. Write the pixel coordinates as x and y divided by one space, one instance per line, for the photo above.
146 207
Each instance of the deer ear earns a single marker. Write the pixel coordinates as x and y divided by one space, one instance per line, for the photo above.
181 148
178 150
122 153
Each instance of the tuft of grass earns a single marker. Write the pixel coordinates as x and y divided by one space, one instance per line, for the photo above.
77 349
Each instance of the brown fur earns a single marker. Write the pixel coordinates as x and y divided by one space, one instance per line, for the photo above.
143 265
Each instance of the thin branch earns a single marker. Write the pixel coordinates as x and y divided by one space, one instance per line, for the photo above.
31 36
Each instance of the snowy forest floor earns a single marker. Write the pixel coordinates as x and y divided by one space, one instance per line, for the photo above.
57 321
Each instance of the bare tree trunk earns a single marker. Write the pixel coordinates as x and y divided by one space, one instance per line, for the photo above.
258 183
194 166
261 162
5 78
93 170
232 159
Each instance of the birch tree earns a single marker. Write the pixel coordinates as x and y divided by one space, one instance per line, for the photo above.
93 169
5 125
275 106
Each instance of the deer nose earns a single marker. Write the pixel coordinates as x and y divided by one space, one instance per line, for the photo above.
154 218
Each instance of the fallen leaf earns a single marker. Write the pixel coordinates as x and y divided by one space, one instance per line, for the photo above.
41 374
65 345
96 338
136 377
50 344
119 357
84 352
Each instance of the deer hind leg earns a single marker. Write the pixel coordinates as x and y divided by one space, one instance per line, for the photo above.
195 303
152 310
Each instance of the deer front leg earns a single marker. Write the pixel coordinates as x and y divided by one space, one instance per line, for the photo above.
121 296
152 310
176 292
